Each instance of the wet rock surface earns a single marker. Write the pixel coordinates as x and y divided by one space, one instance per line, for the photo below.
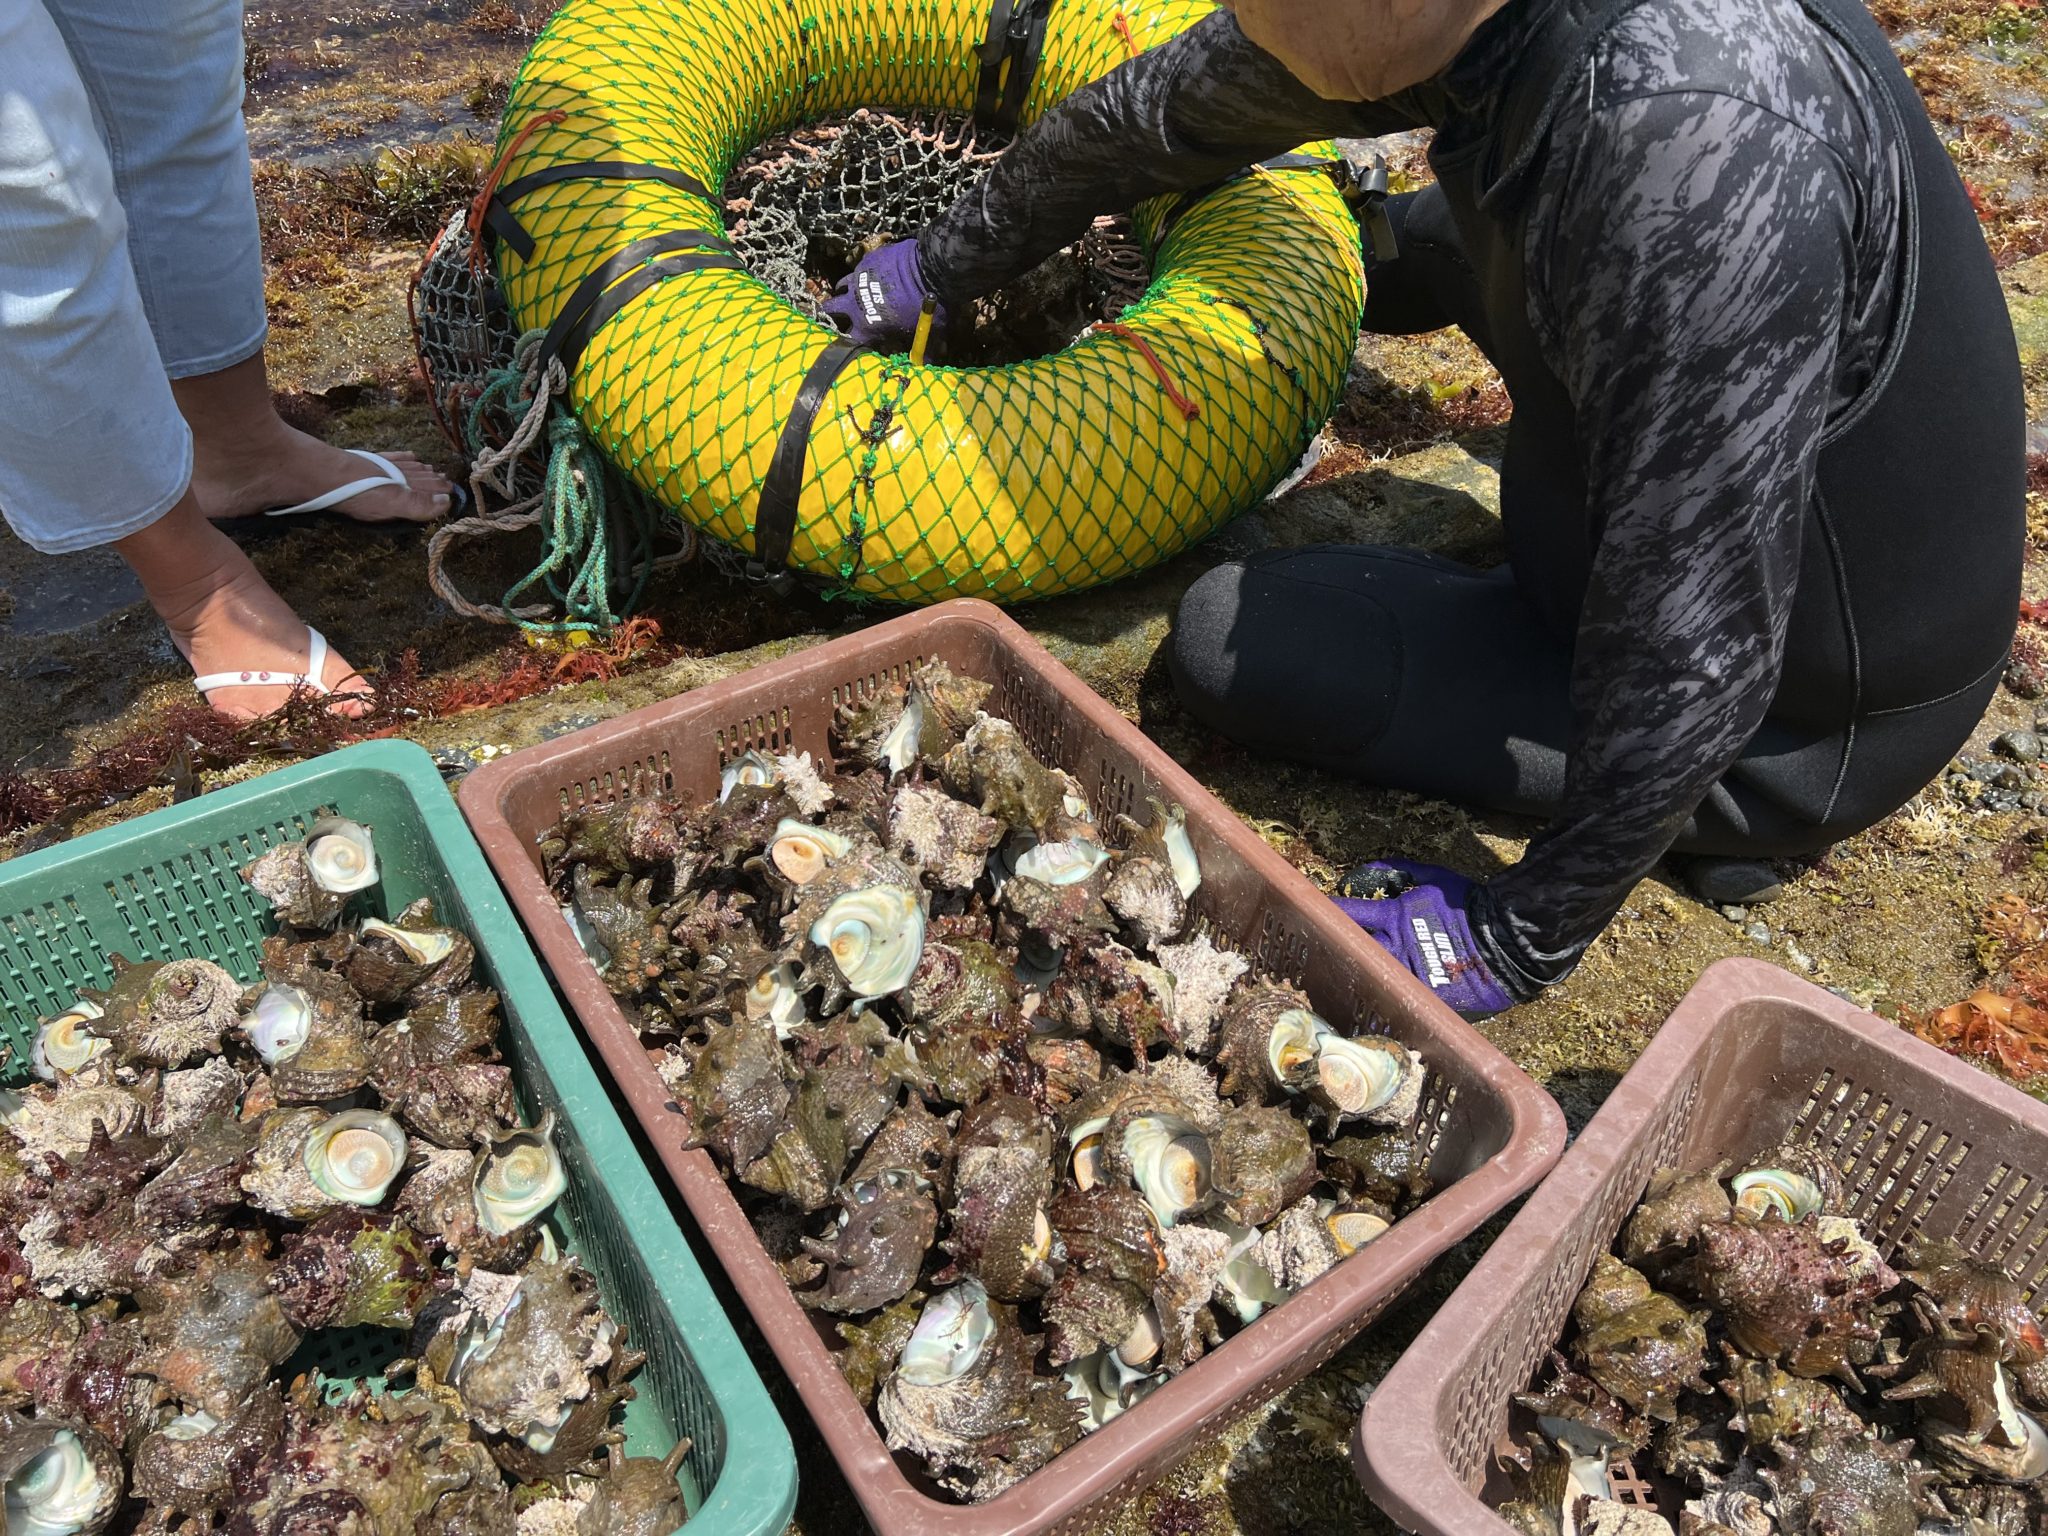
1887 919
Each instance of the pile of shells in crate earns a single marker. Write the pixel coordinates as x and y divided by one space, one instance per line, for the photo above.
1751 1347
988 1094
204 1179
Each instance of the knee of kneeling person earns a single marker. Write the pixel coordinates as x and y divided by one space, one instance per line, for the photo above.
1283 664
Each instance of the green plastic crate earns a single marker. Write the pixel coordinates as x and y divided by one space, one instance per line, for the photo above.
166 886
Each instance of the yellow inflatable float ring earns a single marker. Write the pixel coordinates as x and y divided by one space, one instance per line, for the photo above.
902 482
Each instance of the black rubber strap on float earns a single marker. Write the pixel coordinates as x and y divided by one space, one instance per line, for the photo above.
506 226
602 294
1290 162
1016 37
783 488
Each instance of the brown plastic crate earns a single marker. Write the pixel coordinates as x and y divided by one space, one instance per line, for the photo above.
1753 1057
1495 1132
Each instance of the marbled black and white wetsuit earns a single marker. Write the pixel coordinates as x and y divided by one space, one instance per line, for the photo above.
1764 487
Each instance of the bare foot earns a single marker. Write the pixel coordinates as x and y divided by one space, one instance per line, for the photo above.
224 617
285 466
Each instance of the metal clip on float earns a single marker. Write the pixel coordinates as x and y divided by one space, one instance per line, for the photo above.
1367 194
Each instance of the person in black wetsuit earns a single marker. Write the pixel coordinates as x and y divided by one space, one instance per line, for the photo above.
1763 492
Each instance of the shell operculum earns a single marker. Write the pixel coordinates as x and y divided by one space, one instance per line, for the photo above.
57 1491
1355 1078
354 1156
776 998
1058 864
1360 1076
755 769
1352 1230
428 946
802 851
1084 1160
1170 1164
196 1425
66 1043
1180 851
875 937
1292 1047
481 1338
898 749
1246 1283
518 1179
1762 1192
341 856
278 1023
947 1342
586 935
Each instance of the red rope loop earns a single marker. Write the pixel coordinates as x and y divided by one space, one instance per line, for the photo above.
482 204
1122 23
1187 408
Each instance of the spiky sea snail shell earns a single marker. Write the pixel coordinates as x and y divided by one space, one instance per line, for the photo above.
875 937
802 851
2021 1458
1170 1164
954 1328
518 1178
278 1022
66 1044
58 1481
1762 1192
354 1156
341 856
1353 1078
754 769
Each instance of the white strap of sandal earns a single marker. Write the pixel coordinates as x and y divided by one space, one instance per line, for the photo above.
313 678
392 475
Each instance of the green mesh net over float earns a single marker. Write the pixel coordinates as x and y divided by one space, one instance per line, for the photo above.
625 332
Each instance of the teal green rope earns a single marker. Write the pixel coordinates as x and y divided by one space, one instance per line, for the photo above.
598 530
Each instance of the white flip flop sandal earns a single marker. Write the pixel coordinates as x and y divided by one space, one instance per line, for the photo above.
312 679
392 476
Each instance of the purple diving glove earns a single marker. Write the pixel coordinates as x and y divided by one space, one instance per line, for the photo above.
1417 913
878 303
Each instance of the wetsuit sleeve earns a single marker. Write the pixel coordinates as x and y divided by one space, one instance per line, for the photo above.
1183 115
1688 284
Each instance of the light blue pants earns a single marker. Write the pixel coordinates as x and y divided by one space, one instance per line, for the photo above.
128 253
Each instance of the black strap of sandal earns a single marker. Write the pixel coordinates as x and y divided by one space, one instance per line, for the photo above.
506 226
1016 37
623 277
782 490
